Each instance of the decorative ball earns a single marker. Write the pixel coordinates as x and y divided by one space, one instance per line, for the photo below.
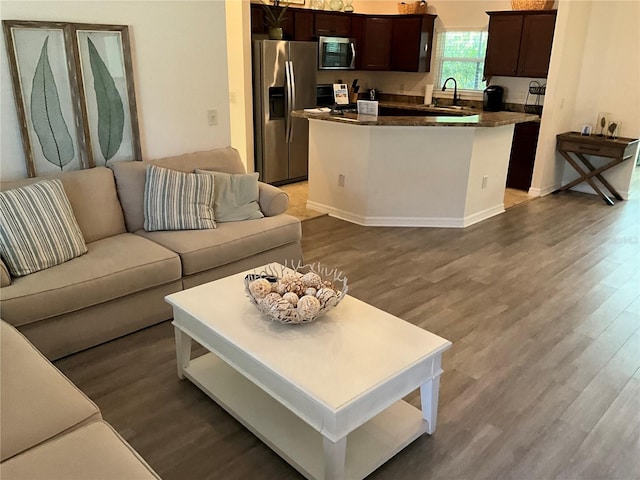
280 287
308 307
270 299
312 279
310 291
260 288
327 297
291 297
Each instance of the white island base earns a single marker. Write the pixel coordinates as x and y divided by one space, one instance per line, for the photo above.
408 176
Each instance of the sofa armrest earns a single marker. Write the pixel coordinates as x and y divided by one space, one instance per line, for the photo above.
5 277
273 201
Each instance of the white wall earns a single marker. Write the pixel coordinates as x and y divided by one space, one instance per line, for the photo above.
595 66
180 71
240 97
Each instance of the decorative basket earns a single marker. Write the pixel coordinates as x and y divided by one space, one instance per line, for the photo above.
412 8
532 4
300 294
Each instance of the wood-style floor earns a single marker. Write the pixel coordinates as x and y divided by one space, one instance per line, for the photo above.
542 304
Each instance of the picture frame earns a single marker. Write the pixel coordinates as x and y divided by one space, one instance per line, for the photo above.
102 55
46 95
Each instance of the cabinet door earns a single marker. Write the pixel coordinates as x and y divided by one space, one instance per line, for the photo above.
503 45
523 155
376 51
257 19
333 24
405 44
535 45
411 43
303 25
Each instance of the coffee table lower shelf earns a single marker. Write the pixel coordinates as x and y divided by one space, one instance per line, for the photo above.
368 447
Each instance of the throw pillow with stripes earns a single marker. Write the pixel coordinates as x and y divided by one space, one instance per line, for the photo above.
177 201
38 228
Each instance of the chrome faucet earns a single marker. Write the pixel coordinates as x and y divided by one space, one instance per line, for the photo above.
455 89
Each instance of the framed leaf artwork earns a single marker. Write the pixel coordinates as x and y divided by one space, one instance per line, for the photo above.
107 94
47 97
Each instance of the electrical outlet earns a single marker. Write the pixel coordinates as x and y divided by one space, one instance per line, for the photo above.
232 97
341 180
212 116
485 179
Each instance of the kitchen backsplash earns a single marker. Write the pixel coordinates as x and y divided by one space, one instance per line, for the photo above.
414 84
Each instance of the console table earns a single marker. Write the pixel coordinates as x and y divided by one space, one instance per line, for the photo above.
617 149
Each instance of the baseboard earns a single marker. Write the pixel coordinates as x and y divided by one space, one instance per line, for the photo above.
434 222
483 215
541 192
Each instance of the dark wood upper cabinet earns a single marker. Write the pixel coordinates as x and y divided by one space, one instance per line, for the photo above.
332 24
411 43
519 43
375 47
383 42
535 47
303 25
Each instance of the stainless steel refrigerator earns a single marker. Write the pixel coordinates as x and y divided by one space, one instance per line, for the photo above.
284 79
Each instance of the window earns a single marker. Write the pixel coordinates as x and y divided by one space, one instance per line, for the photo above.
461 55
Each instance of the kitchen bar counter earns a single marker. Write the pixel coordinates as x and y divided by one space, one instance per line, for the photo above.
474 117
382 171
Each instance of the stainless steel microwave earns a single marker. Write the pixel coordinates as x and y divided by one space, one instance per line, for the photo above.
336 53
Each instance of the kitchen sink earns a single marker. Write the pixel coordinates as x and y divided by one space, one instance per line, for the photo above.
431 112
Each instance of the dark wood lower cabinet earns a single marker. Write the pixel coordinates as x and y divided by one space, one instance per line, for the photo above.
523 155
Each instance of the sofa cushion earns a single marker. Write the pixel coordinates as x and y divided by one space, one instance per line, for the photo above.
89 191
112 268
38 228
236 196
201 250
177 200
272 200
5 277
37 401
94 451
130 177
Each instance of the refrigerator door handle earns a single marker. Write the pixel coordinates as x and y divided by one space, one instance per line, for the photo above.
287 100
292 89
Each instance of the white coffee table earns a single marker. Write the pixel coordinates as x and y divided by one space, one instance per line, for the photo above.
326 396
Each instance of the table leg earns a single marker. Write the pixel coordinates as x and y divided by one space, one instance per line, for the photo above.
594 172
335 456
183 351
584 177
429 392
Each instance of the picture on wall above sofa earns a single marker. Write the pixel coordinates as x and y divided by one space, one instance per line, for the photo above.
74 92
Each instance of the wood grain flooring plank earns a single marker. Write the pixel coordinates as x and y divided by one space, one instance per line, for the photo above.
539 383
601 392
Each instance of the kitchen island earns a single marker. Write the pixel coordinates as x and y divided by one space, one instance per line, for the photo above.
418 170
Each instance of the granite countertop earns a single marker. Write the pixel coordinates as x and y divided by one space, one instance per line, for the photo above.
473 117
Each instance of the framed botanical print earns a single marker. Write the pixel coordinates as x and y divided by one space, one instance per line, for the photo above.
107 93
46 93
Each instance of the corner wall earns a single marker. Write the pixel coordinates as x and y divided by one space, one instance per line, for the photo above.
180 71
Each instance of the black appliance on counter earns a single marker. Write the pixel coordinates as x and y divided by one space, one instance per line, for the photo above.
493 98
324 95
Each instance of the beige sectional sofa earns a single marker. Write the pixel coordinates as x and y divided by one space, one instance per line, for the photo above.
49 428
119 286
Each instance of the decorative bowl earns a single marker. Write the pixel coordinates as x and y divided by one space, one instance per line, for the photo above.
297 294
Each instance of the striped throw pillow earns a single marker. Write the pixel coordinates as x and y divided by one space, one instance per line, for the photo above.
37 228
177 201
